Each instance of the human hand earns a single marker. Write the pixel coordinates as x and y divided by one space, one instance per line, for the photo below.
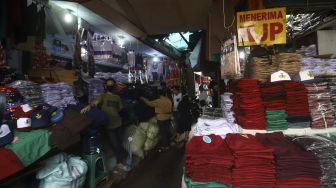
86 109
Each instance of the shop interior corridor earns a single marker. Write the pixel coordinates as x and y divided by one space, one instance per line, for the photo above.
157 170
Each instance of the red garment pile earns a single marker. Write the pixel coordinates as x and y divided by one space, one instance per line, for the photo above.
273 96
295 167
9 163
297 98
253 165
208 158
248 106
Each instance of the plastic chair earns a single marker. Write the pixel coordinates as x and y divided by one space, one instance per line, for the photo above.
94 176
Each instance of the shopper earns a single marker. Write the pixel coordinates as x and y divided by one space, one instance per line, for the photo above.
203 96
184 117
177 97
163 110
111 104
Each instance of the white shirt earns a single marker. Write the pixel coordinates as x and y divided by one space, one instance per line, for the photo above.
177 99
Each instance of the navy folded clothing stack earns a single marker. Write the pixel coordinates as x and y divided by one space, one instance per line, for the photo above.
31 91
59 95
96 88
320 106
325 150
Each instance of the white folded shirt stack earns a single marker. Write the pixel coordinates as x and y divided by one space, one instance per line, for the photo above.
219 127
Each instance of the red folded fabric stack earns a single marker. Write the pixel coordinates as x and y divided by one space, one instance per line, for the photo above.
295 167
253 165
208 158
297 98
273 96
248 106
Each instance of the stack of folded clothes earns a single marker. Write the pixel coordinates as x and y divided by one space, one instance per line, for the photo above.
289 62
332 86
208 159
321 108
194 184
325 150
274 100
227 104
59 95
253 163
319 67
31 91
295 167
248 106
262 68
96 88
220 127
297 104
13 100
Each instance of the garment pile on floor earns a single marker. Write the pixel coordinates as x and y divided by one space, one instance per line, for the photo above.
253 163
227 104
208 159
248 106
295 167
59 95
297 104
321 108
274 100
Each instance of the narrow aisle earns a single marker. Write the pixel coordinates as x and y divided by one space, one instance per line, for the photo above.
161 170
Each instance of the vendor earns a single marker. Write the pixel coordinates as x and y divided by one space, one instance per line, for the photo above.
163 110
111 104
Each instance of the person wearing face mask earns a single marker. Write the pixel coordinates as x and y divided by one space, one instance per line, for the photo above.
111 104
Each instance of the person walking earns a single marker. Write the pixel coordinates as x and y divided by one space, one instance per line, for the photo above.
184 118
163 110
111 104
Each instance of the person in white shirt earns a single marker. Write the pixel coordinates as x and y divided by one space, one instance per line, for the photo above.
177 97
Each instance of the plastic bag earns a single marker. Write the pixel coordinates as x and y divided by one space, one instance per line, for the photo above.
63 171
230 67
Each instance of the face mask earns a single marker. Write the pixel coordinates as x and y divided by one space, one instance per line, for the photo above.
110 88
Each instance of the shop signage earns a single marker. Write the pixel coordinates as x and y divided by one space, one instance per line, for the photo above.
267 26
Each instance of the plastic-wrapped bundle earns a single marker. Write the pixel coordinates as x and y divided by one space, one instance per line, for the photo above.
262 68
289 62
59 95
321 109
96 88
134 140
152 135
319 67
326 151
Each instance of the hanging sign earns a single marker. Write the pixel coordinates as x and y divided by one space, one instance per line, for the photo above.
267 26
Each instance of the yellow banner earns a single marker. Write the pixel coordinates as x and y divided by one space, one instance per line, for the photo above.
267 26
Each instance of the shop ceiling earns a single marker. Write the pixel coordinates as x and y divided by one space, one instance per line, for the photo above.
144 19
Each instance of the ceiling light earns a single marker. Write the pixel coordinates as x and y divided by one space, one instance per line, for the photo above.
68 17
241 55
155 59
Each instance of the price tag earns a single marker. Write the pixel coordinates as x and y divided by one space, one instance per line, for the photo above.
207 139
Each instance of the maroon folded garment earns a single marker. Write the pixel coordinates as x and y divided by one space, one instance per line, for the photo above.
291 160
